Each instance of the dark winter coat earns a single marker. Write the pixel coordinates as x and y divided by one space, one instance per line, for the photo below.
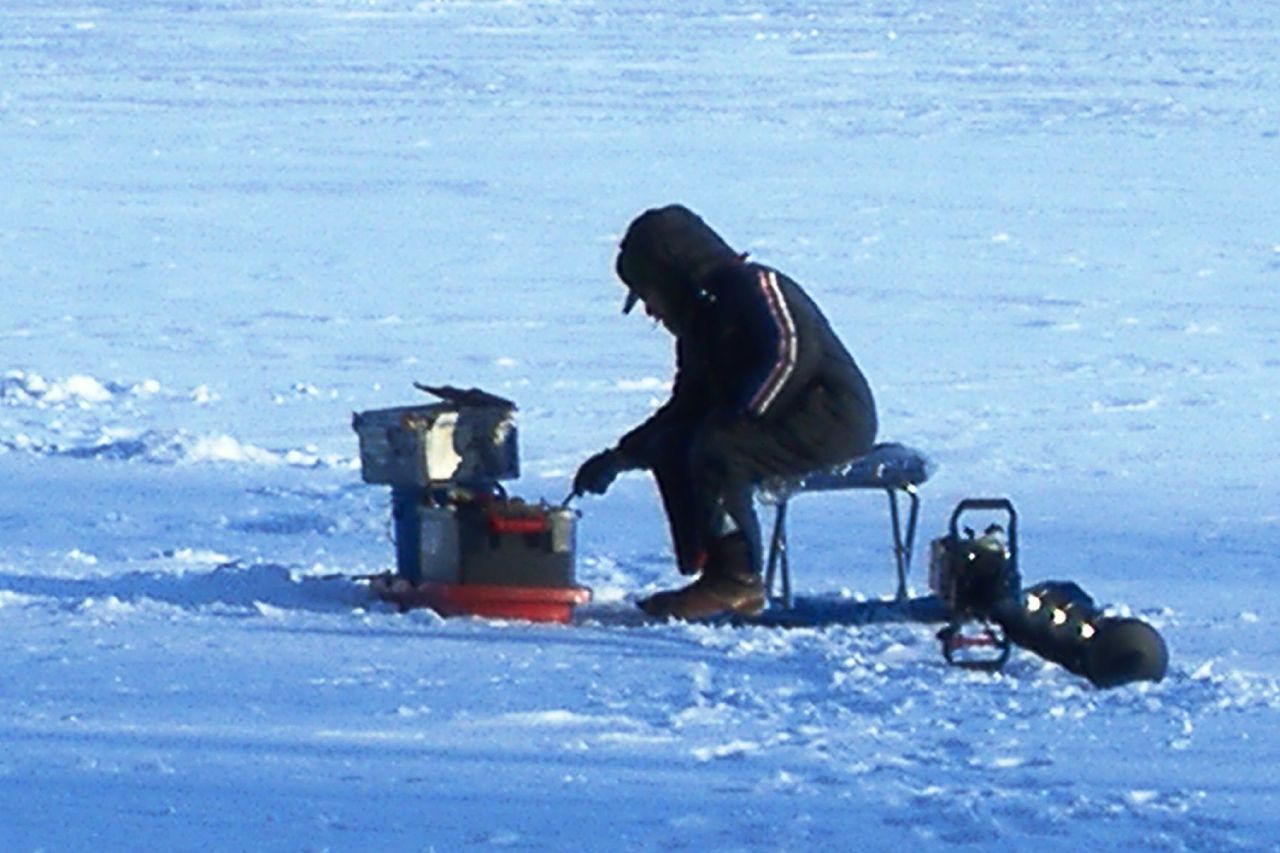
752 348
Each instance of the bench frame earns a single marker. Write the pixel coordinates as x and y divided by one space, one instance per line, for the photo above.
892 468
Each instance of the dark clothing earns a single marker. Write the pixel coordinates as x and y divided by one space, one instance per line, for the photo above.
763 385
759 352
763 388
670 250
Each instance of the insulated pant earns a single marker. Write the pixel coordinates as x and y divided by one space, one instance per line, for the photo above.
711 470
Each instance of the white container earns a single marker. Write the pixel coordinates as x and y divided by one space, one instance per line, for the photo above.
438 443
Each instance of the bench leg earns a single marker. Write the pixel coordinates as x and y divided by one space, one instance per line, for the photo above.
778 569
778 562
903 541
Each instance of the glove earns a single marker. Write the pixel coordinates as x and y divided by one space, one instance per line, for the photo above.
598 473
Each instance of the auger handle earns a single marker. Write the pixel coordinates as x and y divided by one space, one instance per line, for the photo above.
989 504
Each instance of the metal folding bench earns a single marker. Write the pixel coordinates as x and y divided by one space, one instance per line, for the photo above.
895 469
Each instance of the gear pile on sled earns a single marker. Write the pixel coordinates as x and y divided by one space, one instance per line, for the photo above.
463 545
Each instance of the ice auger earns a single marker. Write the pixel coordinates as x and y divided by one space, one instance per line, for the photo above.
978 580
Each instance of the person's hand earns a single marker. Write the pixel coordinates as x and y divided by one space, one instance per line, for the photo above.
598 473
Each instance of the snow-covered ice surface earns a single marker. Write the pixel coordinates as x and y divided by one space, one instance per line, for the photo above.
1049 232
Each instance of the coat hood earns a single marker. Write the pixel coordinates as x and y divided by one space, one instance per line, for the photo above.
669 249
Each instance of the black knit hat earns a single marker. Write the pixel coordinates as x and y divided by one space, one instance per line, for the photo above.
671 249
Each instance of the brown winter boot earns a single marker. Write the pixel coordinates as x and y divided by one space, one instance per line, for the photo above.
658 604
727 586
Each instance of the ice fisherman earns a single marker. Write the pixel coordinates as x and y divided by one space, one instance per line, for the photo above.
763 388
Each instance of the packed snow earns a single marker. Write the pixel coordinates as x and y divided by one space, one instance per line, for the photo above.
1047 231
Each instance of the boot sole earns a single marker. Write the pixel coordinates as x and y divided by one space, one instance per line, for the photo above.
717 608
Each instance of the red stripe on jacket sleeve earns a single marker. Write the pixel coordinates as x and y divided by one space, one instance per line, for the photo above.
784 362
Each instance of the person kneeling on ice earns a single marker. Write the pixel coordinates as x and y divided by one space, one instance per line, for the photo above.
763 388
